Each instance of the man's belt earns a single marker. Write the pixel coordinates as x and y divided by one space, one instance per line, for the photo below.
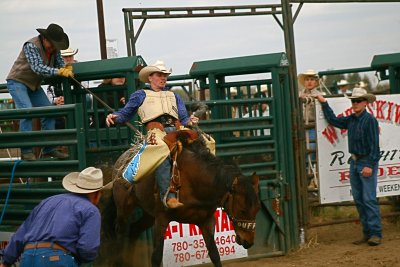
45 245
155 124
357 156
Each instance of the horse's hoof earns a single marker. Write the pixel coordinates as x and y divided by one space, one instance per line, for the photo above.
173 203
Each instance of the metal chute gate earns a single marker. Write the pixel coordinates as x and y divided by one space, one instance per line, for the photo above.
252 128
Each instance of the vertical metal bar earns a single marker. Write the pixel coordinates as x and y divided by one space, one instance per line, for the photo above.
102 33
132 35
80 136
214 95
127 22
297 121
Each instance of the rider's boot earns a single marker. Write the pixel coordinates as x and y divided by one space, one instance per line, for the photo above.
163 176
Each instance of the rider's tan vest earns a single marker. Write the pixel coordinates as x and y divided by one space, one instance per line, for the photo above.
156 104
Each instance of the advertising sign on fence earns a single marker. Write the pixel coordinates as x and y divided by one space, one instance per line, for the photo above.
184 245
333 155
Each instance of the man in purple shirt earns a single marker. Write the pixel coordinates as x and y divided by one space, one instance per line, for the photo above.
161 111
63 230
40 57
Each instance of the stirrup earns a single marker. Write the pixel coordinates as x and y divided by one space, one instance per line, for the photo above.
164 200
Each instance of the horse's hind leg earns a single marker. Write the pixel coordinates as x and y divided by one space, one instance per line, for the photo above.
207 229
125 204
160 226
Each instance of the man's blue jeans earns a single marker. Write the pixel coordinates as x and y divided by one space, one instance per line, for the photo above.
25 98
163 177
364 195
47 257
312 138
163 172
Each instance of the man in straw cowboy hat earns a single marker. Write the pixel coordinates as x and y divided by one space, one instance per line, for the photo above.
40 57
69 55
343 86
161 111
363 144
64 229
309 80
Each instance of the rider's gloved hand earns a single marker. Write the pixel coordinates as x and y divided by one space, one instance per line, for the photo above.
69 66
66 72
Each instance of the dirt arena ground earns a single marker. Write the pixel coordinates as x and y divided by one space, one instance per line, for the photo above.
331 246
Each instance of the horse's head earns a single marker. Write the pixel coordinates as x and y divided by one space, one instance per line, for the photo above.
242 204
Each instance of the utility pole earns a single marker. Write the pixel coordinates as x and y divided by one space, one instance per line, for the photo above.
102 33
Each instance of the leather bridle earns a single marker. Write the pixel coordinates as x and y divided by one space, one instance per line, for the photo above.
227 204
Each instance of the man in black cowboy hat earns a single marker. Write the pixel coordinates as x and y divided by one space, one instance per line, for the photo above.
40 57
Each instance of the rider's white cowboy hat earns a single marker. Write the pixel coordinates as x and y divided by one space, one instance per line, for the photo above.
69 52
362 93
159 66
308 73
56 35
342 83
87 181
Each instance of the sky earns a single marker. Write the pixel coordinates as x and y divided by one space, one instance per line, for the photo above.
327 36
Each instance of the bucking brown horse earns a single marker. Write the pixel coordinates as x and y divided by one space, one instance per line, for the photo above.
206 183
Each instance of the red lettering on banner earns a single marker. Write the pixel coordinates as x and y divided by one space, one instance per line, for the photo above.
193 230
224 223
180 230
168 233
393 170
379 109
330 133
344 176
397 114
389 112
348 111
380 172
217 214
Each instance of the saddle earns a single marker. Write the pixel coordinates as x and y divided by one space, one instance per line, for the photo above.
180 138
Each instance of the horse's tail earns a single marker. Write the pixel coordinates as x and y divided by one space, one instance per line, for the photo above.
109 214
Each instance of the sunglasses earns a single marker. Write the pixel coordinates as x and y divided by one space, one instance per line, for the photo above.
358 100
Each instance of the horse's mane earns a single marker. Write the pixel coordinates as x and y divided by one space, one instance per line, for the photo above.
226 172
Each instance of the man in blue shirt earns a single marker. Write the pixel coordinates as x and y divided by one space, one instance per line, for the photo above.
63 230
161 111
363 142
40 57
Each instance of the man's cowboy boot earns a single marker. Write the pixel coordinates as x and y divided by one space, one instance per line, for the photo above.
361 241
173 203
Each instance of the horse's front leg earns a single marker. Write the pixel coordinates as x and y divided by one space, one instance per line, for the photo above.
208 228
161 224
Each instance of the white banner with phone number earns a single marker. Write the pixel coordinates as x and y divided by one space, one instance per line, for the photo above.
184 245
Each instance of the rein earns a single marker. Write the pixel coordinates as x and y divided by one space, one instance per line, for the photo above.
138 133
175 182
227 204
